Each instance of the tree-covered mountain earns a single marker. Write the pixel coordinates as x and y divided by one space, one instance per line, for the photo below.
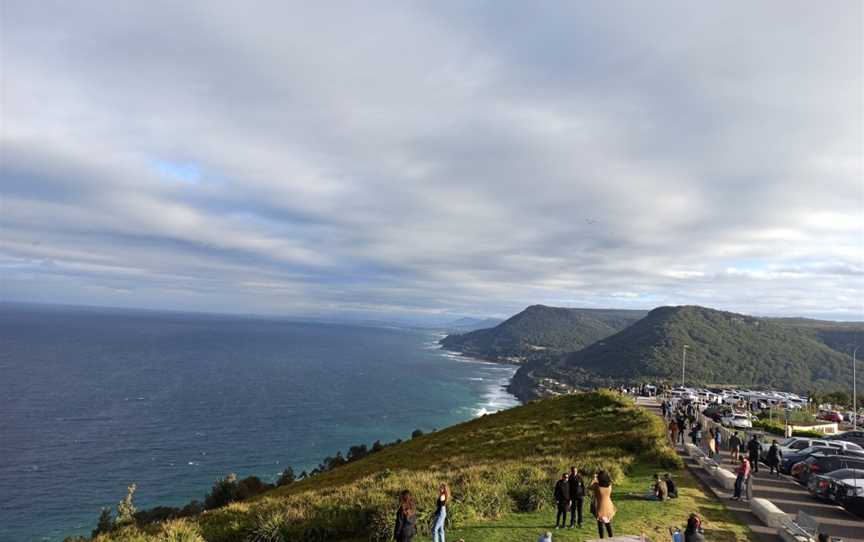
839 336
723 348
464 325
540 331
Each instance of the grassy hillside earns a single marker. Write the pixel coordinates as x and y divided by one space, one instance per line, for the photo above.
724 348
500 467
540 332
839 336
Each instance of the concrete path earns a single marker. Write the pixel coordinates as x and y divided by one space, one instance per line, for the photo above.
784 492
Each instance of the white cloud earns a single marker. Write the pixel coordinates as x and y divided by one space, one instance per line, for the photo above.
431 157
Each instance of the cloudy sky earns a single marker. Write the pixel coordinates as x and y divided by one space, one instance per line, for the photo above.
433 158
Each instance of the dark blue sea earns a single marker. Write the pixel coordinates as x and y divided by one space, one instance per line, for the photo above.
91 400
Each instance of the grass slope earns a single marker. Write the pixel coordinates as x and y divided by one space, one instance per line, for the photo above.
724 348
500 467
540 331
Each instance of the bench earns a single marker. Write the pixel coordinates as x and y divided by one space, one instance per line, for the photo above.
768 512
804 528
724 477
693 451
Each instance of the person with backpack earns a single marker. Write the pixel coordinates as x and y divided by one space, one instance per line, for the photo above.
406 518
773 457
562 499
577 496
734 446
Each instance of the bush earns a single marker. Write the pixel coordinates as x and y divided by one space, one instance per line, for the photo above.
179 532
287 477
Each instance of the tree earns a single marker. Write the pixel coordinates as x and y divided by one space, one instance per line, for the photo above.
105 523
287 477
416 433
224 491
125 508
377 446
357 452
837 398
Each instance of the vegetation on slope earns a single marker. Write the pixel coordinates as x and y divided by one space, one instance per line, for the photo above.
500 467
539 332
839 336
724 348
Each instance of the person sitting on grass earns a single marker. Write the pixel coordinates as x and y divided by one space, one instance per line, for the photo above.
671 489
545 537
694 532
659 492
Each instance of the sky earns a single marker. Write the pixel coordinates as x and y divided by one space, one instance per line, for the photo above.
433 159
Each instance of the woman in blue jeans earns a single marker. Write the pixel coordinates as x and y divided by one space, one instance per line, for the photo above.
440 513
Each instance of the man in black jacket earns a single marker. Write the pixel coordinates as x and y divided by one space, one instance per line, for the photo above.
577 494
562 498
754 447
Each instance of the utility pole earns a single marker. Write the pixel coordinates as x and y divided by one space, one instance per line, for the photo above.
683 363
854 392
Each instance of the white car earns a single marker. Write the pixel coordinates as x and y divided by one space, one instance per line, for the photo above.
738 421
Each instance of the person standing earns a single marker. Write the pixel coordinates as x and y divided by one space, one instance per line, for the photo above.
682 427
406 518
742 473
577 496
440 513
562 499
773 457
673 431
734 446
712 443
605 508
754 449
718 439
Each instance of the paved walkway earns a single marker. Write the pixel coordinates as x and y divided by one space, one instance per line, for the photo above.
784 492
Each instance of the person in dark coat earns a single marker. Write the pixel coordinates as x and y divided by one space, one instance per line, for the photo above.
773 457
562 499
694 532
406 518
754 449
671 487
577 496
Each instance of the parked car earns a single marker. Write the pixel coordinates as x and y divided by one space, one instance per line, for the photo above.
850 436
790 459
825 486
717 411
820 463
831 416
737 421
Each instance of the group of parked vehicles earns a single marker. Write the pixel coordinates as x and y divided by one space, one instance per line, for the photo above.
831 468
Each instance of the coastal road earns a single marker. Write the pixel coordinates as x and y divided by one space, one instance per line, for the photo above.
785 493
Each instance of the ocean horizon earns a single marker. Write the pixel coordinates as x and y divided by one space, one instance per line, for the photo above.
94 399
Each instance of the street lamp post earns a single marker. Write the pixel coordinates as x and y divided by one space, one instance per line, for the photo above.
683 363
854 392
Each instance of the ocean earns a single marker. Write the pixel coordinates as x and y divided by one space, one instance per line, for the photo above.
94 399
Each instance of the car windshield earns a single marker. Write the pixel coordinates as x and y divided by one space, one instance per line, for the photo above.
847 473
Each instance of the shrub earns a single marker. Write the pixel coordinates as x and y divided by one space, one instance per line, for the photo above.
105 522
125 508
287 477
224 491
179 532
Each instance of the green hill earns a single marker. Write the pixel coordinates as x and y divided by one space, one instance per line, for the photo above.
724 348
501 469
839 336
540 332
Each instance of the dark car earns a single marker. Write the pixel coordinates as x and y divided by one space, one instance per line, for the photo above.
850 436
791 458
820 464
827 487
855 505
